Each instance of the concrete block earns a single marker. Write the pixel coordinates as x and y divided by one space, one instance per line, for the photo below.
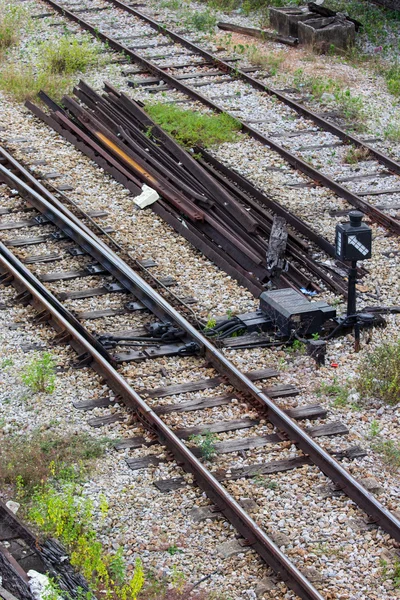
286 20
321 33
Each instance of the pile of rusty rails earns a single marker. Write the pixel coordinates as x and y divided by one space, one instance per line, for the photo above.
91 352
215 209
22 551
171 78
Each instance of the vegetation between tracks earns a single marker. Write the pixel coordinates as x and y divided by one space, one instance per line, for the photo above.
49 66
193 128
379 373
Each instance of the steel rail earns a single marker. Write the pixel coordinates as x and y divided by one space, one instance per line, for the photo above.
247 527
259 85
161 308
296 162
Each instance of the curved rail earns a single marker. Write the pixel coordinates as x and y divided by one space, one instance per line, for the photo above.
254 535
161 308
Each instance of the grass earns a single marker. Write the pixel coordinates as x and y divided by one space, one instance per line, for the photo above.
24 83
44 455
392 76
12 22
39 374
297 347
355 155
339 393
202 21
68 56
206 444
269 61
51 70
192 128
379 374
350 106
68 516
392 131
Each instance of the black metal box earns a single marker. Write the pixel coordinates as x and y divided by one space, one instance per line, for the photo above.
289 310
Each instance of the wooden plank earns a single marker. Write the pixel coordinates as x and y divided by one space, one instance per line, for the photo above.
309 411
379 192
109 312
200 403
41 258
66 275
219 427
258 33
146 461
196 404
204 384
90 292
328 429
106 420
18 224
133 442
281 391
168 485
28 241
91 404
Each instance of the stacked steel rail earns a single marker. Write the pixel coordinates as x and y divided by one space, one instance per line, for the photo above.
229 225
92 352
174 81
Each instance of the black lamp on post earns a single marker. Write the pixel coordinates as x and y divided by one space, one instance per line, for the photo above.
353 243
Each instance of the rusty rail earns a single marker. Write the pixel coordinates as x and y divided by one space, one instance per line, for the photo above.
296 162
161 308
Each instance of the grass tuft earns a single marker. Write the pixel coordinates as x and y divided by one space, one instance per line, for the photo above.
31 462
23 83
379 373
355 155
192 128
12 21
68 56
392 131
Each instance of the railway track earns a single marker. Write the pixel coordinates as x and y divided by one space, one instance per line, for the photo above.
114 319
226 208
304 139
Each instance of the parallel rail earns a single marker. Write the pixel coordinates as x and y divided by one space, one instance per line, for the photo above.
295 161
63 321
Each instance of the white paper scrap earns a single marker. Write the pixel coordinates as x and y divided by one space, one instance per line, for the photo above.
147 197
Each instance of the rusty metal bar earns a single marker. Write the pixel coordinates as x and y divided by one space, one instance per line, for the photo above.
379 216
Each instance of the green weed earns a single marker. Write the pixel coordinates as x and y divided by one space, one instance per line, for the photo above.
339 393
206 444
379 373
67 516
42 456
355 155
39 374
7 362
392 131
12 21
202 21
192 128
24 83
297 347
389 450
68 56
172 550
